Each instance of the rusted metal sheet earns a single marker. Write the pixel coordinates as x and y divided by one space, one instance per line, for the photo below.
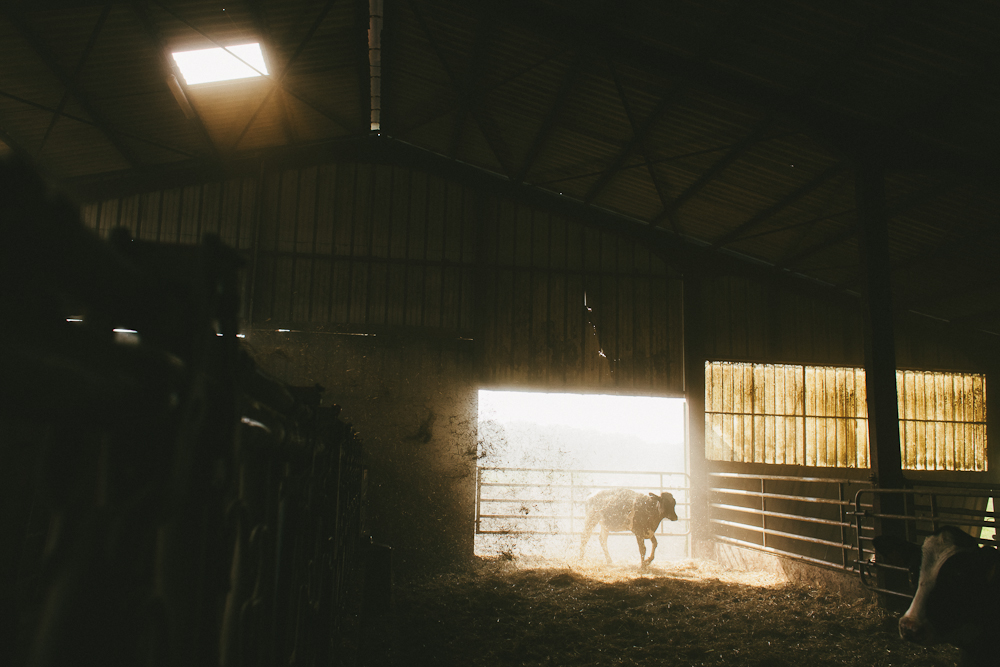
553 302
818 416
942 420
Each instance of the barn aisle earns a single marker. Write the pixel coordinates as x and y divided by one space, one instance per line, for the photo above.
511 612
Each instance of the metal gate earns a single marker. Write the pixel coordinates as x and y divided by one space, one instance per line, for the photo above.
547 501
925 509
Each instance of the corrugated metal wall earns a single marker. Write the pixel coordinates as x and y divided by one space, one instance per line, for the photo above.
367 246
552 303
755 320
567 306
184 215
749 319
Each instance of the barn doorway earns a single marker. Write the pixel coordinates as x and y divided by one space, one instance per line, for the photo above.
542 454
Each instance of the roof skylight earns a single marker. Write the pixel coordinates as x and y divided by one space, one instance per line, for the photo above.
221 64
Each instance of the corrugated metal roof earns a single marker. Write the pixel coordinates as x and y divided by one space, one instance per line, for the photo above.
733 123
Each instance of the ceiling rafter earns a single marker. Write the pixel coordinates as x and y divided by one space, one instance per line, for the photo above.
169 69
552 116
85 121
640 134
897 207
258 17
985 235
487 124
91 41
474 74
901 149
719 38
278 81
763 216
98 120
734 153
443 103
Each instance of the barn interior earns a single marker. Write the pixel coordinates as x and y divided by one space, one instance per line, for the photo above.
249 321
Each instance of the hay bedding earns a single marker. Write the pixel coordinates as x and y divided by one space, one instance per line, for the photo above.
684 613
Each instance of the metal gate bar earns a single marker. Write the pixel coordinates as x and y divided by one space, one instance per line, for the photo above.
930 512
807 516
490 486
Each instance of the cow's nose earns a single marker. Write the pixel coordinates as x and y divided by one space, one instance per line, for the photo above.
912 630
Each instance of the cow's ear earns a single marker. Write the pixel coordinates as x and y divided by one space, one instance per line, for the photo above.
897 551
654 496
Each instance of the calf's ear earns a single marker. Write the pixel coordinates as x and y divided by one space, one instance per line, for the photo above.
897 551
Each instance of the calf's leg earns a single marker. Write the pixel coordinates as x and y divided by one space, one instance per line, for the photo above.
652 538
588 528
604 543
642 549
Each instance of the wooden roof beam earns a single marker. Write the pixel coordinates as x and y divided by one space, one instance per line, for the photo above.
731 156
258 17
763 216
45 55
640 134
76 72
487 124
169 69
553 115
471 81
900 150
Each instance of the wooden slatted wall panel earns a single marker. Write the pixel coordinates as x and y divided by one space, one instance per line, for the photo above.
366 246
753 320
356 247
184 216
566 306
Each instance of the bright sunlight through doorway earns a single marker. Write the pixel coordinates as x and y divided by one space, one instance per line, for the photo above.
541 455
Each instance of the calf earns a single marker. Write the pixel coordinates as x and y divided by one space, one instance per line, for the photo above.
958 592
623 509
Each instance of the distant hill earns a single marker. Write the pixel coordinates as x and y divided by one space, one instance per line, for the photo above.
529 445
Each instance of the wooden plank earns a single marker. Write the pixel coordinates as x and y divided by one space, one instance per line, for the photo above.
320 290
301 296
325 208
90 215
435 205
209 210
451 297
576 328
343 209
170 216
230 212
360 289
281 310
189 215
108 217
503 361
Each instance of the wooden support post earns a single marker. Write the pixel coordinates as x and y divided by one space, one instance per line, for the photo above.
880 357
694 394
879 342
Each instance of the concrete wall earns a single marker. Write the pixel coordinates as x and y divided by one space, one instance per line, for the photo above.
414 403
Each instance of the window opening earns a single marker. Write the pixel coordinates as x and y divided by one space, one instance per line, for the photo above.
818 416
542 454
242 61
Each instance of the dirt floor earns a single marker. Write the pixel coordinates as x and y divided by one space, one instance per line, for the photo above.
513 612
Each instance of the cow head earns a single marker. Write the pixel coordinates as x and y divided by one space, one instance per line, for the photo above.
957 581
666 504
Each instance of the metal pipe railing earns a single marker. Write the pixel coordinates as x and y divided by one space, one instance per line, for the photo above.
931 513
805 512
570 488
